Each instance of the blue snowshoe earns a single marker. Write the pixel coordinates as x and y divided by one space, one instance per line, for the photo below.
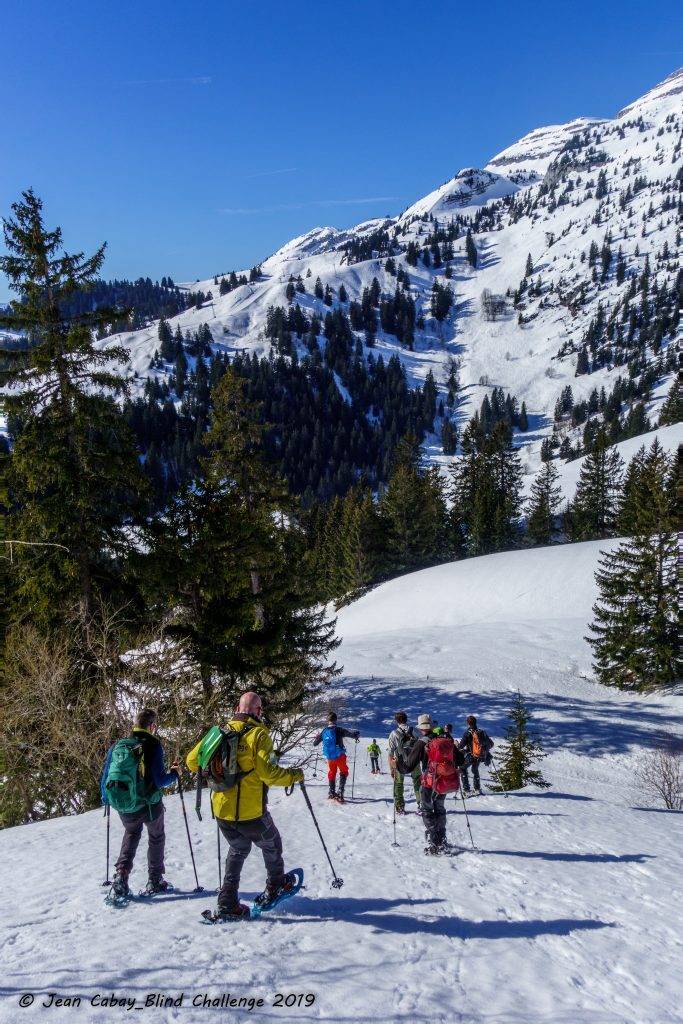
272 896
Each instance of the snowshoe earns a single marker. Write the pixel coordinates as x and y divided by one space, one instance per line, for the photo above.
271 897
155 886
120 894
401 810
240 912
339 798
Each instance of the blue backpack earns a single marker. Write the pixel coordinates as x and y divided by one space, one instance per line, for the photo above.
331 749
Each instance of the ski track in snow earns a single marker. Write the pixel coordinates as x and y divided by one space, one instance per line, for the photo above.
562 914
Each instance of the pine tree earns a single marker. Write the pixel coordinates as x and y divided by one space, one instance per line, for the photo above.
514 764
74 475
470 249
671 411
360 541
544 504
414 510
231 564
593 512
635 626
529 267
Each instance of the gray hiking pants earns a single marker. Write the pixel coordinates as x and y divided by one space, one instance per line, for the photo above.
153 819
240 835
433 807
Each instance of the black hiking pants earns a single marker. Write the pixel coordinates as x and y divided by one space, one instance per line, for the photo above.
433 807
152 818
240 835
473 763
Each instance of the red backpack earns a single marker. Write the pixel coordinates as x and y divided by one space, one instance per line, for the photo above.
442 775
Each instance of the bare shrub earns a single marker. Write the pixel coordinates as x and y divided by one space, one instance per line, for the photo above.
660 773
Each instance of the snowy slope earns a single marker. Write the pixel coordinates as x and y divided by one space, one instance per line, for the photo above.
641 142
564 914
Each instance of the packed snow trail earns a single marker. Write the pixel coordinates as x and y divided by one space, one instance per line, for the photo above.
566 913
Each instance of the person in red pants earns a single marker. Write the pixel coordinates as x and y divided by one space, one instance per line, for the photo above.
332 738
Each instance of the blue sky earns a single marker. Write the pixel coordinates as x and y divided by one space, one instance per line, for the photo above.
199 136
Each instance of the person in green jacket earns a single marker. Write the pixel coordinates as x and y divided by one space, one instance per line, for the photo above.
374 752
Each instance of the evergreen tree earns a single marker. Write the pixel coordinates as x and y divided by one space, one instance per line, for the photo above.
544 504
592 514
74 476
231 564
671 409
360 540
529 268
470 249
635 626
514 763
414 510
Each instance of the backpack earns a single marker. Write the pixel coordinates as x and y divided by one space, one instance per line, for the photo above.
218 765
442 775
481 745
331 749
405 741
125 786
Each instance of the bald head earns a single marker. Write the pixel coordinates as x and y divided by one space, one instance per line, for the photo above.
250 704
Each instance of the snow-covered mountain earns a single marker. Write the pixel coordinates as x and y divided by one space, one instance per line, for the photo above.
571 897
545 200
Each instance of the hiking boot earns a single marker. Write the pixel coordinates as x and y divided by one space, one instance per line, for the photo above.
238 912
342 786
433 850
476 792
158 885
332 793
120 884
275 889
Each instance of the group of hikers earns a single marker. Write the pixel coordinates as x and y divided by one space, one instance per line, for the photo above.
239 765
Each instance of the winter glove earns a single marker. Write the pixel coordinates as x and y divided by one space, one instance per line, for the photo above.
297 775
357 736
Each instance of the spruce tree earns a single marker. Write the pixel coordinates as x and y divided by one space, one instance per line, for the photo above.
593 512
514 763
544 504
234 572
671 409
414 510
74 476
634 631
470 249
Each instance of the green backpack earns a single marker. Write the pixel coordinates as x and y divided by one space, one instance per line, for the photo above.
125 784
217 757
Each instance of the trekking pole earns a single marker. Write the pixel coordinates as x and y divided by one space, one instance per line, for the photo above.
220 866
107 814
395 843
353 773
467 817
493 765
315 766
200 888
337 882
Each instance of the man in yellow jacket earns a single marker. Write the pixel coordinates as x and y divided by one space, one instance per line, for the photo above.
242 812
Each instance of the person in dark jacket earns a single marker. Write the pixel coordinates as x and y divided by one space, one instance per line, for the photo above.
332 738
476 743
432 804
150 813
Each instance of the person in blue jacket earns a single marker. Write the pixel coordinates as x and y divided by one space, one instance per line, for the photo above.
332 739
151 810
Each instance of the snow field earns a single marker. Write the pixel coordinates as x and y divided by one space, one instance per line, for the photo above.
565 913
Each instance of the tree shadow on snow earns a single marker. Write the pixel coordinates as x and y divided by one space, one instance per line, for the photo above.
370 913
564 722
